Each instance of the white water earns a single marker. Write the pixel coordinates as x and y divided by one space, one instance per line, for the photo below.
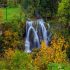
27 42
29 26
43 28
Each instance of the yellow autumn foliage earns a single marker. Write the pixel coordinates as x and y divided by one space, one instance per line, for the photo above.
11 39
9 53
55 52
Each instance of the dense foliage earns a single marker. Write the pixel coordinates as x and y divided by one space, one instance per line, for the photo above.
13 15
40 59
64 10
54 53
45 7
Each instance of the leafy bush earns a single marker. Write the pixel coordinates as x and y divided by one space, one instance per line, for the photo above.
64 11
16 60
55 53
20 61
11 39
56 66
14 25
9 53
12 35
3 65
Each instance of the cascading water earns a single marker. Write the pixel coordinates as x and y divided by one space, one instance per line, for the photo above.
44 30
27 42
37 37
28 24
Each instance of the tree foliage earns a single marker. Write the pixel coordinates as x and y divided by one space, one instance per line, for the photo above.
64 9
55 52
43 6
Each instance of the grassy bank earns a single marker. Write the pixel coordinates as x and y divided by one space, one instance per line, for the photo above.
10 13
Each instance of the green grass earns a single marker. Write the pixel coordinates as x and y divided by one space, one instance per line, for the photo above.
11 13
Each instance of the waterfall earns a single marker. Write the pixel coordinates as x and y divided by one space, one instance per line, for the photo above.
40 26
44 30
27 42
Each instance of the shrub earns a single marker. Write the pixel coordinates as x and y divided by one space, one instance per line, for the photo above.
12 35
9 53
14 25
21 61
55 52
16 60
3 65
11 39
